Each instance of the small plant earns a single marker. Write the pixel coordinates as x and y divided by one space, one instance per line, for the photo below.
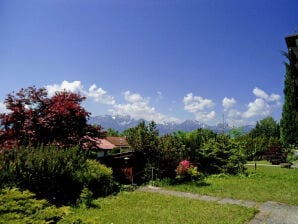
186 171
21 207
86 198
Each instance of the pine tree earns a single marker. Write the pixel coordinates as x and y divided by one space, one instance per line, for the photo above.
289 120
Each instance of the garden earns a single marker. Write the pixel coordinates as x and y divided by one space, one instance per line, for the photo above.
48 173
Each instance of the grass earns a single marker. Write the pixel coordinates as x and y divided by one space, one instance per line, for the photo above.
144 207
264 184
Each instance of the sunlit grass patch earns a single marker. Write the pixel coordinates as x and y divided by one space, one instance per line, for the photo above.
264 184
144 207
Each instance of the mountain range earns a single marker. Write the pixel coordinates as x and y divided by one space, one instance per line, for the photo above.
121 123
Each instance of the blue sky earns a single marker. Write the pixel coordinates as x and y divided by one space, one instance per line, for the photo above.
158 60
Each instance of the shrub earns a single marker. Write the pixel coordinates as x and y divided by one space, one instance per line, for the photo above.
221 155
97 178
56 174
21 207
275 155
186 171
49 172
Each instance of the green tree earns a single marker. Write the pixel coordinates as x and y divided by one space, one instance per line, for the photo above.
289 119
193 141
266 127
112 132
222 155
171 151
144 141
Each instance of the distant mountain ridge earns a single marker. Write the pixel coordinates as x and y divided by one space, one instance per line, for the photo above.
121 123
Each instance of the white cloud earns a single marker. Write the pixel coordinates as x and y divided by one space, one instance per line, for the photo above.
138 107
65 85
199 106
257 108
133 98
97 94
259 93
196 103
205 116
274 97
227 103
100 95
262 106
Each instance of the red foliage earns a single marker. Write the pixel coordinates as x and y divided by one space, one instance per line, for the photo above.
36 119
275 155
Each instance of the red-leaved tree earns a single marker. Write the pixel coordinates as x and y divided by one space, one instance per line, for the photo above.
35 119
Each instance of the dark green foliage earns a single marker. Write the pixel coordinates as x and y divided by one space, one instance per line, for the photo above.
266 127
193 142
112 132
50 172
265 135
221 155
172 151
21 207
56 174
97 178
144 141
289 120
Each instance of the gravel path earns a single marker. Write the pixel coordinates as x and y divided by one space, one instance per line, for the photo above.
269 212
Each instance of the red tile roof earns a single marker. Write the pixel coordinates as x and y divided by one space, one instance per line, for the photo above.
118 141
104 144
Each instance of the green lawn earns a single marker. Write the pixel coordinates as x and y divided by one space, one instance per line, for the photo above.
142 207
264 184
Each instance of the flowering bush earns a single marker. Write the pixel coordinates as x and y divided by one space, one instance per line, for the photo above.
186 171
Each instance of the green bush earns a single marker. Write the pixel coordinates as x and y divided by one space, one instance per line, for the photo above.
97 178
221 155
49 172
56 174
21 207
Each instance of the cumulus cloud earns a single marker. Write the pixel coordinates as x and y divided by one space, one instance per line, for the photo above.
262 106
259 93
97 94
100 95
257 108
199 106
133 98
205 116
196 103
228 103
138 107
135 106
65 86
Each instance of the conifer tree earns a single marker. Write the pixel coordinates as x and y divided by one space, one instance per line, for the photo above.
289 120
